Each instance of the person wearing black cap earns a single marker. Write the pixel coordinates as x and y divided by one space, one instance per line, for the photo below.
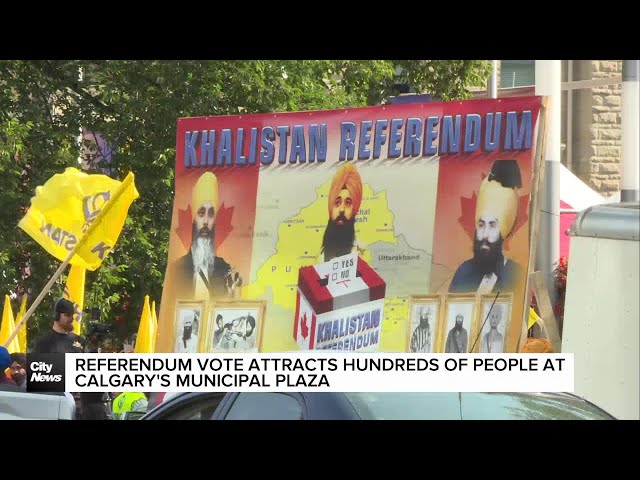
489 271
61 339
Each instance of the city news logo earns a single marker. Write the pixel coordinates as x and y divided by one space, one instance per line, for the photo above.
45 372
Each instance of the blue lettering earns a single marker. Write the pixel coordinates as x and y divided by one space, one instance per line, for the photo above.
190 139
71 243
317 143
365 138
353 324
375 318
55 236
206 147
367 321
224 152
412 137
471 143
298 152
283 133
253 146
319 334
240 159
430 134
46 229
492 131
268 150
380 137
347 141
450 138
101 249
394 138
515 139
335 330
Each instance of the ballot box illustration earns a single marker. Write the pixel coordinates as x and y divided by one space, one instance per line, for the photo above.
339 306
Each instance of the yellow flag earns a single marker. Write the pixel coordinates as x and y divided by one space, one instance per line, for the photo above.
22 334
533 317
144 342
73 203
74 292
8 326
154 324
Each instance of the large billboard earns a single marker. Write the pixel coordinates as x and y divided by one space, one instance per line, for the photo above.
389 228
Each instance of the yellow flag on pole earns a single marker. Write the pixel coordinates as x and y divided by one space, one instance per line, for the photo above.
74 292
533 317
22 334
67 205
8 326
154 324
144 343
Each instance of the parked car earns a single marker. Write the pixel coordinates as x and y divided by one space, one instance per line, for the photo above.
375 406
16 404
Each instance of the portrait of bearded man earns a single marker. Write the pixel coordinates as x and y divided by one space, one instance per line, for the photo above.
187 339
489 271
422 335
344 199
201 273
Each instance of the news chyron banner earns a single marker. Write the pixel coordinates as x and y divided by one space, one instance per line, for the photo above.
326 370
396 228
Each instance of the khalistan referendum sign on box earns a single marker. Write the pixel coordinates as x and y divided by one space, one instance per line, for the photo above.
397 228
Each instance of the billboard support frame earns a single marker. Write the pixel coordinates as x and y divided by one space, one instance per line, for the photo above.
534 210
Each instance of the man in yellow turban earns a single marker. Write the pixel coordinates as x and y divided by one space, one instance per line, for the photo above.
345 197
204 275
496 211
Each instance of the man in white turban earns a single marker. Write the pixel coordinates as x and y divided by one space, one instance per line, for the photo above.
496 213
187 341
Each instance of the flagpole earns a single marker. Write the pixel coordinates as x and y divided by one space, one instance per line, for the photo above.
63 266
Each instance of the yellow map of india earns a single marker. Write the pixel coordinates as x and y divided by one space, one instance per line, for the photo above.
298 244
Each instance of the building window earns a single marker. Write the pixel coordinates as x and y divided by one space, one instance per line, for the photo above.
517 73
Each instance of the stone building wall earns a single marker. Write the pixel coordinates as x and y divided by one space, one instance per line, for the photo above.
605 131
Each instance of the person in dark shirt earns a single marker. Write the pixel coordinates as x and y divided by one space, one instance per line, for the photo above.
61 339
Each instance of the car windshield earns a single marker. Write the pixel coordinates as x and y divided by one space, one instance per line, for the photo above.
473 406
406 406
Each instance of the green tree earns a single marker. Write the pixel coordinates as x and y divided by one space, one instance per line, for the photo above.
134 105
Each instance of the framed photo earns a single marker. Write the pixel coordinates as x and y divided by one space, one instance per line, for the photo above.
425 312
236 326
494 323
188 326
459 323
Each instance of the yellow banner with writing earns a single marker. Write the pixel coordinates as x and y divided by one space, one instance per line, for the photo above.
81 211
74 292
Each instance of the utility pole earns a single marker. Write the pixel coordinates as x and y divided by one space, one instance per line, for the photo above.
629 163
492 84
548 82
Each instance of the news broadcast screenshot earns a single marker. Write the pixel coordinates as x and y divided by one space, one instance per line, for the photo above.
319 240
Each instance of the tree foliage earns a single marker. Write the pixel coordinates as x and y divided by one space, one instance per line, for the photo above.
135 105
